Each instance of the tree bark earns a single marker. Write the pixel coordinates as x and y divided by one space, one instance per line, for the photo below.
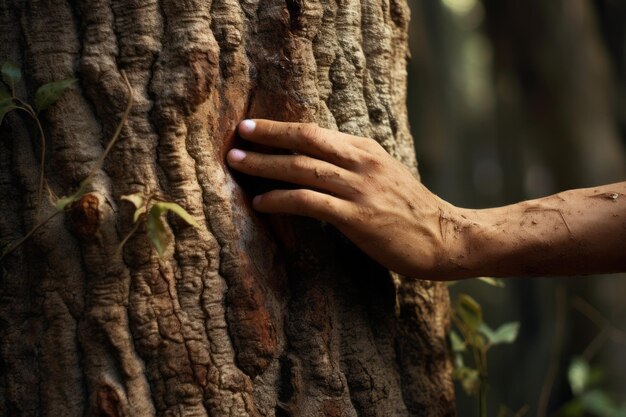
246 315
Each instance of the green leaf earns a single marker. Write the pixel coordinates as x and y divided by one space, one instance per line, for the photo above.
139 202
573 408
598 402
495 282
11 74
136 199
47 94
156 227
156 230
458 360
163 206
6 105
469 312
139 212
622 411
578 375
507 333
470 379
65 201
457 342
477 340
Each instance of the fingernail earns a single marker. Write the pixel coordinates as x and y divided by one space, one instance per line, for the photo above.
236 155
247 126
257 200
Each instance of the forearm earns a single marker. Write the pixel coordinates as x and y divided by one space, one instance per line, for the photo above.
354 184
575 232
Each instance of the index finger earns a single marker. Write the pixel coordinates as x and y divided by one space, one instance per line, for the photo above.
304 138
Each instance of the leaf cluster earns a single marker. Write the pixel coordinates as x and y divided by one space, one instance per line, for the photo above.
470 341
45 96
148 208
152 210
474 337
589 397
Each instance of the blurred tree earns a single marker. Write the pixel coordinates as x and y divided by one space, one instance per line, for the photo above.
536 109
554 78
549 56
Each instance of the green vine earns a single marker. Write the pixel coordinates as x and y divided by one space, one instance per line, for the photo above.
46 96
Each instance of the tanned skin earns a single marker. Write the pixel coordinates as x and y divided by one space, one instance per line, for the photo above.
354 184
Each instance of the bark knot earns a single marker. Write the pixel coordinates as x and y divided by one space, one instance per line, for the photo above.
85 216
108 402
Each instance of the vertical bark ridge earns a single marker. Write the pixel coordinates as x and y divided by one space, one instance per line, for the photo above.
231 390
110 31
423 328
180 337
251 326
60 284
325 49
105 319
314 382
284 60
375 387
225 266
347 101
376 41
18 313
288 73
400 16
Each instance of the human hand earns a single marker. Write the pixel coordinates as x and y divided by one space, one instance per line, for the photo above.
354 184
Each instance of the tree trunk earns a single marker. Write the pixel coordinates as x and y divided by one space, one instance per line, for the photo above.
246 315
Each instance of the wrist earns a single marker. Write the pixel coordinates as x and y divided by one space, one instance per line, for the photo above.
457 230
468 241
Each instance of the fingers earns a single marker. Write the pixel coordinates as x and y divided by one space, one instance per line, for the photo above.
297 169
305 203
304 138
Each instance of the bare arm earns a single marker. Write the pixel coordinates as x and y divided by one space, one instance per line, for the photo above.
580 231
376 202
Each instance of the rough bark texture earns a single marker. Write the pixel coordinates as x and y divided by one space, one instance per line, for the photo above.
245 315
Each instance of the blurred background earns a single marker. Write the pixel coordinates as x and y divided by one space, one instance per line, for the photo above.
511 100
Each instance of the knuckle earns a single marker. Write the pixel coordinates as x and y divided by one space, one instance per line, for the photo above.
348 217
350 158
372 145
363 215
298 163
372 160
309 132
369 152
301 197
